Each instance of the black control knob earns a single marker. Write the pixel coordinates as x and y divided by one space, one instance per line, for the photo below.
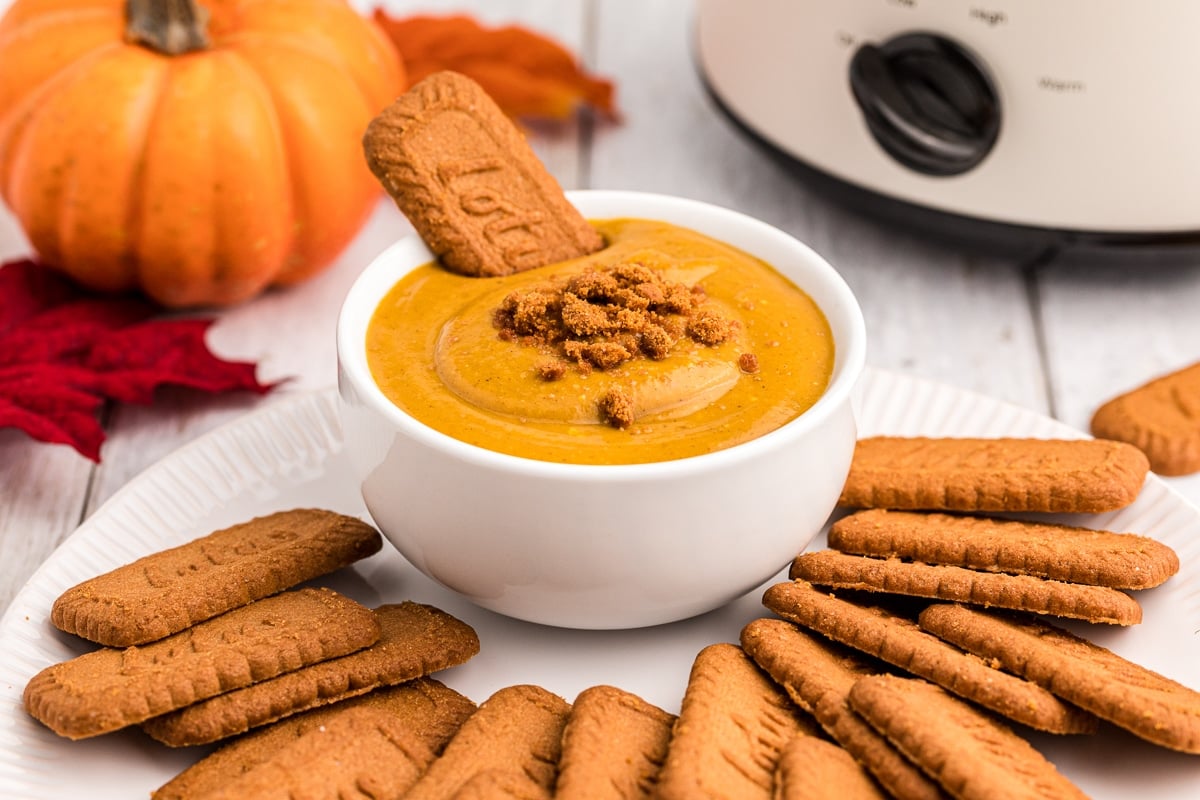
928 102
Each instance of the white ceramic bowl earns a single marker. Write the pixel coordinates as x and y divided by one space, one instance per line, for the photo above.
604 546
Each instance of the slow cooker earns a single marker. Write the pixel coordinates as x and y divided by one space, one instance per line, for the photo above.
1015 124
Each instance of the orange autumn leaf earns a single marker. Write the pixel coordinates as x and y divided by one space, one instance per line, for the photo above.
527 74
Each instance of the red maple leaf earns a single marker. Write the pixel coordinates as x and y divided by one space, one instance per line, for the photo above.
64 352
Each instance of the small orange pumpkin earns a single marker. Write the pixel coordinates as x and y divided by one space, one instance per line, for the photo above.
196 154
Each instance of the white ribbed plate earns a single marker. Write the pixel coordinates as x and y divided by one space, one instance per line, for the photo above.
288 454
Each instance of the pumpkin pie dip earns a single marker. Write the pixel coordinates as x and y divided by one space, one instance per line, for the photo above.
665 344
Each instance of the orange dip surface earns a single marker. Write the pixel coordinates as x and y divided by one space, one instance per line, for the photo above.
436 348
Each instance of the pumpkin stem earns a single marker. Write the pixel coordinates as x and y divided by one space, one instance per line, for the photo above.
170 27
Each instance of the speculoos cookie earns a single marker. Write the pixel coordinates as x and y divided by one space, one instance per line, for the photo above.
1018 547
1161 418
814 769
415 640
818 675
1130 696
518 729
469 182
614 745
733 724
1002 474
502 784
170 590
902 643
362 752
428 708
971 754
108 689
838 570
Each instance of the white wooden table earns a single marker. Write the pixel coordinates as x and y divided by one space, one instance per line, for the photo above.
1055 337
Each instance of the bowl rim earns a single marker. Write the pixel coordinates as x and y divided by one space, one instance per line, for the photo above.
382 272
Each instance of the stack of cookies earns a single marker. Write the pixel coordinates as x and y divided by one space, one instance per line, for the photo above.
311 694
904 545
212 639
922 693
